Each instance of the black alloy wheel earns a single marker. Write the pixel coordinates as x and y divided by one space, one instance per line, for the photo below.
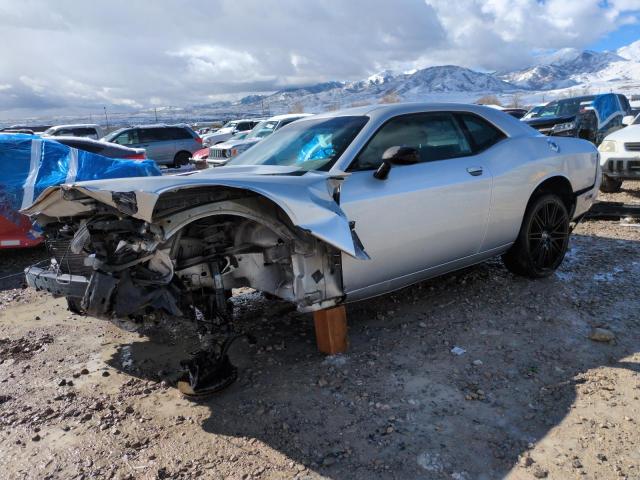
543 239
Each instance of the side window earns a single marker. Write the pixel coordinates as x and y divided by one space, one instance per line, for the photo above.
286 122
483 135
149 135
85 132
242 126
128 137
436 136
64 132
177 133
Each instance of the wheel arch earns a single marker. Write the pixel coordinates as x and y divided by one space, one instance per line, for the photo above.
180 152
558 185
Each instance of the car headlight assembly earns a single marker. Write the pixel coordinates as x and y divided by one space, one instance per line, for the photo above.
563 127
607 146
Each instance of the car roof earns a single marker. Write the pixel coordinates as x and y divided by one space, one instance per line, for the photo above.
287 116
78 125
381 113
161 125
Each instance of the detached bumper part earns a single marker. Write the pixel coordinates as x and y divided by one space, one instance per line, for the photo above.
58 284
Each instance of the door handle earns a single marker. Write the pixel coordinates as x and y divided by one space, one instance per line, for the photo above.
474 171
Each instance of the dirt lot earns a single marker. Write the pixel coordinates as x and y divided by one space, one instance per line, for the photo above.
532 396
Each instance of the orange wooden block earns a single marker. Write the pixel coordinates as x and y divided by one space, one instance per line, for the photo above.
331 330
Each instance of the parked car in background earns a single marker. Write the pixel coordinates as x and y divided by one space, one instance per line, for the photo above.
620 155
591 117
220 154
165 144
515 112
88 130
229 130
32 128
199 158
110 150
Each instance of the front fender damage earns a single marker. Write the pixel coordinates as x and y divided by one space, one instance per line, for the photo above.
180 244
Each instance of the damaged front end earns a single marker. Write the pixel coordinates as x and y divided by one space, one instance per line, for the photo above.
182 250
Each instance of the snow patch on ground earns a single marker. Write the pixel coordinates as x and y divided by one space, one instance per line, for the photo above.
608 276
431 462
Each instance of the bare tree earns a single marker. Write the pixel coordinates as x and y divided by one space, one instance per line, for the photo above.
360 103
391 97
489 100
516 101
297 107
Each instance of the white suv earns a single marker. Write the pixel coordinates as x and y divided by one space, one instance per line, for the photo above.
223 152
620 155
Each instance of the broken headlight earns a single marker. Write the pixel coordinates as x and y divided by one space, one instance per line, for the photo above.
563 127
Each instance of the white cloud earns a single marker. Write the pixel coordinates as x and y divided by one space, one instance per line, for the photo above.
69 55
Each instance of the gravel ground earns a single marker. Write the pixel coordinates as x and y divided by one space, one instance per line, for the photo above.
545 385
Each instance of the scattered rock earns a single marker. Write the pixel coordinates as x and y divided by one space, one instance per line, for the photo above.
599 334
540 472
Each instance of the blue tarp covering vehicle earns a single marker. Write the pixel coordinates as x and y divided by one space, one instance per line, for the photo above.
30 164
591 117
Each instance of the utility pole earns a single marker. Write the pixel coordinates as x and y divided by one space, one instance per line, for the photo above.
106 117
155 109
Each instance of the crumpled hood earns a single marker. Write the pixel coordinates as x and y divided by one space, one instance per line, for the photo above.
307 199
542 122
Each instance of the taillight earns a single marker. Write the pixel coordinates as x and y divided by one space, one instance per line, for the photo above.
136 156
199 140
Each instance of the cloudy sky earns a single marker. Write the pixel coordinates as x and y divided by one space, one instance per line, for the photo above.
75 56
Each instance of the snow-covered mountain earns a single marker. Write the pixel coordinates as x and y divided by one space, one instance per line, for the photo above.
565 68
551 76
428 82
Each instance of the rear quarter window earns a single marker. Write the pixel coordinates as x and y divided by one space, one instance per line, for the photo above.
177 133
483 135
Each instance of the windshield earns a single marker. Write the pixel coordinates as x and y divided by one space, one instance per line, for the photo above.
49 131
230 124
311 144
263 129
564 108
109 137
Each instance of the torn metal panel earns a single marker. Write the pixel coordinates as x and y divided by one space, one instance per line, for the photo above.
308 200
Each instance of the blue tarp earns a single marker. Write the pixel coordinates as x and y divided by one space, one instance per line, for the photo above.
29 164
606 107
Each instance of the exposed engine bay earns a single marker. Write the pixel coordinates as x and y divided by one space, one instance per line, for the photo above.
133 268
202 244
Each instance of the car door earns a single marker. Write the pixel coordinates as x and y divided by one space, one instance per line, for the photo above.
423 217
159 144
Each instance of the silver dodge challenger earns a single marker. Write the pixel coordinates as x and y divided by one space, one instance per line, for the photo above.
334 208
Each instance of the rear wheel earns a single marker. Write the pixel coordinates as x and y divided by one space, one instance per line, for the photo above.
610 185
543 239
181 158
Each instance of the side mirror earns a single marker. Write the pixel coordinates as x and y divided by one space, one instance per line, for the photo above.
396 156
628 119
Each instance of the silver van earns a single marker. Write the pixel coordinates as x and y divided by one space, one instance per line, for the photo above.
165 144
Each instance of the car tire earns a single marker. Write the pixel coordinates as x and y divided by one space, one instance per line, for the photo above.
181 158
610 185
75 305
543 239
